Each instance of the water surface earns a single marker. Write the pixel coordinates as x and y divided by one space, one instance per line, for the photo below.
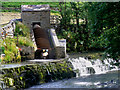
108 80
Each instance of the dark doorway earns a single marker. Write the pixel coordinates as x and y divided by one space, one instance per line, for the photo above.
34 23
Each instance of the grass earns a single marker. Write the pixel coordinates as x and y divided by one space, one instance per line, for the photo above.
23 35
15 6
24 41
18 4
11 51
22 30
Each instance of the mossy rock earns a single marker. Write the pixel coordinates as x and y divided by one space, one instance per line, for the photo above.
29 75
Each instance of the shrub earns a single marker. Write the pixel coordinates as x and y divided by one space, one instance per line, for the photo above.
9 56
22 30
10 45
11 51
25 41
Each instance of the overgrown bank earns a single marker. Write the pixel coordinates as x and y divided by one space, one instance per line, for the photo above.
14 47
29 75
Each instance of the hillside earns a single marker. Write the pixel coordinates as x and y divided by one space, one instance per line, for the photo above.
16 6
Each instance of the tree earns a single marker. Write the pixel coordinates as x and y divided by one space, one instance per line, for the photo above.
104 23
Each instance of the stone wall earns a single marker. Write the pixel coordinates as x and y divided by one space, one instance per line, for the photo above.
28 17
8 30
60 52
27 53
29 75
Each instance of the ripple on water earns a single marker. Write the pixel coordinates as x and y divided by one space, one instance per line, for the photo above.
108 80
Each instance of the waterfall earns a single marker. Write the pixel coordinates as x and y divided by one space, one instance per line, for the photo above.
84 66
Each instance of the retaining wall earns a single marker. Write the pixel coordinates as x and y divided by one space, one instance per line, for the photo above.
58 44
29 75
8 30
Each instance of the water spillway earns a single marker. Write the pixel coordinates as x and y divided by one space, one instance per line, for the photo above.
41 37
42 42
90 74
88 67
86 73
24 76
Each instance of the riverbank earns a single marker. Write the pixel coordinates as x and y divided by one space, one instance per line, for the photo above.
33 74
38 73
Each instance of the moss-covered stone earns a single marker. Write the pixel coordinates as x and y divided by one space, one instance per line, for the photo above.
29 75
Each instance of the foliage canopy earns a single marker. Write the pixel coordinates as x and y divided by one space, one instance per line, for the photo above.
91 26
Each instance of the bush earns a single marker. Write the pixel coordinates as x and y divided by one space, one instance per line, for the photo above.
112 36
22 30
9 56
24 41
10 45
11 51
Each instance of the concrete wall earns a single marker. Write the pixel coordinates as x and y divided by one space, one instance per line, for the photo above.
63 44
59 45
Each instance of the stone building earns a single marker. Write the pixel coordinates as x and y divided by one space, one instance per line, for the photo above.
36 14
40 14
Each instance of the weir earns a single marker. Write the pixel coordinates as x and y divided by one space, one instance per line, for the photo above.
87 67
21 76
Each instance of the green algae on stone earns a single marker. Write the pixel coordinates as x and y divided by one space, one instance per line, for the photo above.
29 75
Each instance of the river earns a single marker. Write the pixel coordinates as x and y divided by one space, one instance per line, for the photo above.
108 80
93 73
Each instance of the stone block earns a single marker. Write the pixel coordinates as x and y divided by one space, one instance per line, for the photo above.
60 52
27 53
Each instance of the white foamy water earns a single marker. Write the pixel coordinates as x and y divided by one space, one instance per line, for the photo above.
87 67
105 75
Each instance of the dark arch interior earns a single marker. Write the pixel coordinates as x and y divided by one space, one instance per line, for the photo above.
42 42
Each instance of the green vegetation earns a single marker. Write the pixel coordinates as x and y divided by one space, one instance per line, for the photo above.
11 46
11 51
22 30
91 26
29 75
87 26
24 41
16 6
